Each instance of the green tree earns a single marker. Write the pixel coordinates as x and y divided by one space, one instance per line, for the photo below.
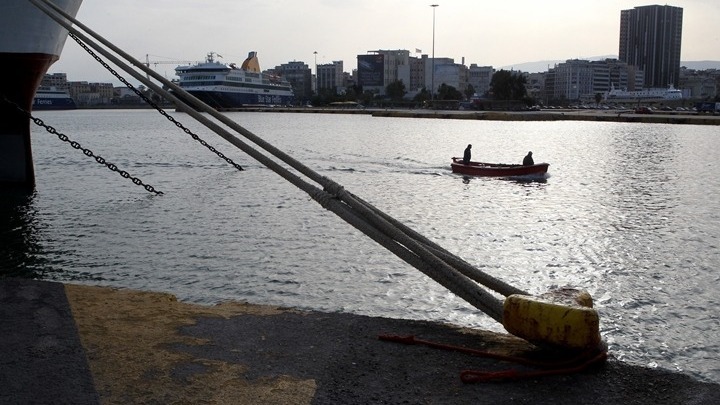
366 97
598 98
507 85
396 90
446 92
352 93
422 95
469 91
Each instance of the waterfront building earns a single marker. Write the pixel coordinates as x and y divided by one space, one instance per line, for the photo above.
479 77
55 80
378 69
573 79
446 72
331 78
417 75
700 84
613 73
579 80
535 86
650 38
299 75
86 94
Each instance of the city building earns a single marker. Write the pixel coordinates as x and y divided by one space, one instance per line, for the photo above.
649 57
378 69
445 72
650 38
613 73
300 77
417 75
85 93
535 86
573 79
479 77
578 80
331 78
702 84
55 80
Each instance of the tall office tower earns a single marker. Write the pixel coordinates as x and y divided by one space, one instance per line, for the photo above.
650 39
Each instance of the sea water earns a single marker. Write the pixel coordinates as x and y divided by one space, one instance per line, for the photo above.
628 211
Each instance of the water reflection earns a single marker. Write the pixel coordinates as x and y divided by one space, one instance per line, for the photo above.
18 235
525 180
515 179
631 214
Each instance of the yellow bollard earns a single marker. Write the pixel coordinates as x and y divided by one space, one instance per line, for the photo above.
563 318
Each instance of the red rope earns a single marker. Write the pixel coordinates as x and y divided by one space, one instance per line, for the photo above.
573 365
475 376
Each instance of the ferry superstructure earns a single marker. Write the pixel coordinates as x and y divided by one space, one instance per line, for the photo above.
226 86
670 93
30 42
50 98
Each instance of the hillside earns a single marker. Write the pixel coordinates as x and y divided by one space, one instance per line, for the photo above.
544 65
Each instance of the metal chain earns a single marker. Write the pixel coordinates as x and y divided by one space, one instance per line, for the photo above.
153 104
85 151
97 158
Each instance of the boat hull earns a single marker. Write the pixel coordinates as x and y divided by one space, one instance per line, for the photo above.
497 169
229 100
42 102
225 86
29 43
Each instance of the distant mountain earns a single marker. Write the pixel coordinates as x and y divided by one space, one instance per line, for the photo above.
544 65
701 64
532 67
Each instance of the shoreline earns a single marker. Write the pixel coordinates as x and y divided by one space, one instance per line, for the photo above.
545 115
669 117
87 344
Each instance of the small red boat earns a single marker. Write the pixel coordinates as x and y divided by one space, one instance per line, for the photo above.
496 169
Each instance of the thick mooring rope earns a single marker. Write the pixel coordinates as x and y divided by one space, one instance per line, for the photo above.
442 266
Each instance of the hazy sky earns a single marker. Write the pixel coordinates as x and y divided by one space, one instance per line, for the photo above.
487 33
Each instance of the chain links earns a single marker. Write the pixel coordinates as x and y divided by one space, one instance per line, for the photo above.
153 104
85 151
100 159
97 158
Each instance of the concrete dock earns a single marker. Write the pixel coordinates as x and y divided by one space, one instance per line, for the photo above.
626 115
72 344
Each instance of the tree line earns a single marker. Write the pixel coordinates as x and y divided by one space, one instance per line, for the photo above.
504 86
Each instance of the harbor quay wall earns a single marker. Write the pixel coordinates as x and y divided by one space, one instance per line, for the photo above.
545 115
555 115
81 344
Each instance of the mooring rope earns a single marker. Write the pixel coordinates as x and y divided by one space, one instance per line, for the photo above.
445 268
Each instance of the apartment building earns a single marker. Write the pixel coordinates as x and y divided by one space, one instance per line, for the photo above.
650 38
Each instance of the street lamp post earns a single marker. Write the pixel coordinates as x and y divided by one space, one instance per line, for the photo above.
432 80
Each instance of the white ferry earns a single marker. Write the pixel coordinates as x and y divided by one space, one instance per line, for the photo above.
225 86
50 98
670 93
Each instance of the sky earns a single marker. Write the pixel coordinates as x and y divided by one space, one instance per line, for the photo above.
487 33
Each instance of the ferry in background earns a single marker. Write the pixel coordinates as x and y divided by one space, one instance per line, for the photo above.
30 42
670 93
223 86
50 98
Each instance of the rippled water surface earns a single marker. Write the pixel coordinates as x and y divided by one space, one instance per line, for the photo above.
629 212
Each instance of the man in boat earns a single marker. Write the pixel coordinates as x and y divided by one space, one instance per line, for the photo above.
466 155
528 161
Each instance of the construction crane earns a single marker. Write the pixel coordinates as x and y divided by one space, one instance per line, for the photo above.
148 62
